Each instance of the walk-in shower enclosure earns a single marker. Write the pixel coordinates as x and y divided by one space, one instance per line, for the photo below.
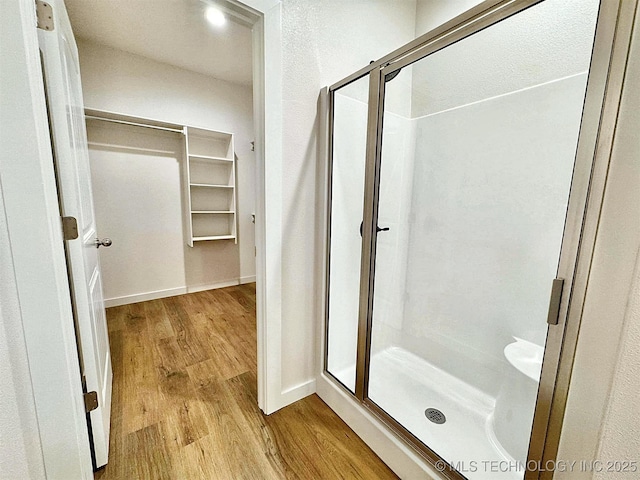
457 182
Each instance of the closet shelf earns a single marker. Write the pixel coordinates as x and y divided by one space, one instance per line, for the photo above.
213 211
210 158
214 237
209 185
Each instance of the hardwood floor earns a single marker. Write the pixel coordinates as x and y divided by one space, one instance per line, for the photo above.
184 401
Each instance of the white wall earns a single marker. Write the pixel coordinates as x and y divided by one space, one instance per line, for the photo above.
323 41
601 419
20 450
620 437
550 40
137 194
620 431
137 176
487 221
431 14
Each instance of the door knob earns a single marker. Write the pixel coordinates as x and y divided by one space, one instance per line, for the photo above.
106 242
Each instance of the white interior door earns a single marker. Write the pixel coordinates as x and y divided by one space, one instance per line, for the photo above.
68 130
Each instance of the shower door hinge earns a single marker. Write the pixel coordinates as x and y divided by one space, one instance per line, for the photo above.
44 15
69 228
554 301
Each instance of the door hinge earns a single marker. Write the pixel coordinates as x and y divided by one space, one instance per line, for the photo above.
44 15
90 401
69 228
554 301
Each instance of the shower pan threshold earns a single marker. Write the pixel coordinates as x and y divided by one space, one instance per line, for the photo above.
405 385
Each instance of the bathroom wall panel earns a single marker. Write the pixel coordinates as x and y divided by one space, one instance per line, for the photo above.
491 184
549 41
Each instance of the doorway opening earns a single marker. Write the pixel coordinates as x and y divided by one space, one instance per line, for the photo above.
173 153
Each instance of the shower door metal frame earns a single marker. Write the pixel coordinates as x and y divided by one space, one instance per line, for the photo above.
599 115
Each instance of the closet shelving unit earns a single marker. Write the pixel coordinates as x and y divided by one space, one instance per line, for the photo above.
208 176
211 185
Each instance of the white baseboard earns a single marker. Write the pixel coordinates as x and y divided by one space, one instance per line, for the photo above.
398 456
213 286
172 292
293 394
143 297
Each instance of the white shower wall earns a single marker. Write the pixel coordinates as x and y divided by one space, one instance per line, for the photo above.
473 242
347 197
546 42
350 119
491 184
488 115
392 249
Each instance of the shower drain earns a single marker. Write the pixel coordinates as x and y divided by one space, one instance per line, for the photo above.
435 415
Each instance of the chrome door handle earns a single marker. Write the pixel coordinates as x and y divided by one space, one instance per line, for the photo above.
106 242
378 229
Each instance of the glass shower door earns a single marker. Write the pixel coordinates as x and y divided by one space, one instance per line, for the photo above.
350 110
478 146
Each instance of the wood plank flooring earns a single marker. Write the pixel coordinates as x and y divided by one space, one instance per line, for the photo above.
184 401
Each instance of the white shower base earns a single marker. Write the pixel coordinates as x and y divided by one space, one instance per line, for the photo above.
405 385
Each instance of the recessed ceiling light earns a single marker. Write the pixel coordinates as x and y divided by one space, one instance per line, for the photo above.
215 17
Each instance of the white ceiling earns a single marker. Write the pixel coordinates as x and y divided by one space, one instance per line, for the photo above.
169 31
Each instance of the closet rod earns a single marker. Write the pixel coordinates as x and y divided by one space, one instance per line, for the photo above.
124 122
